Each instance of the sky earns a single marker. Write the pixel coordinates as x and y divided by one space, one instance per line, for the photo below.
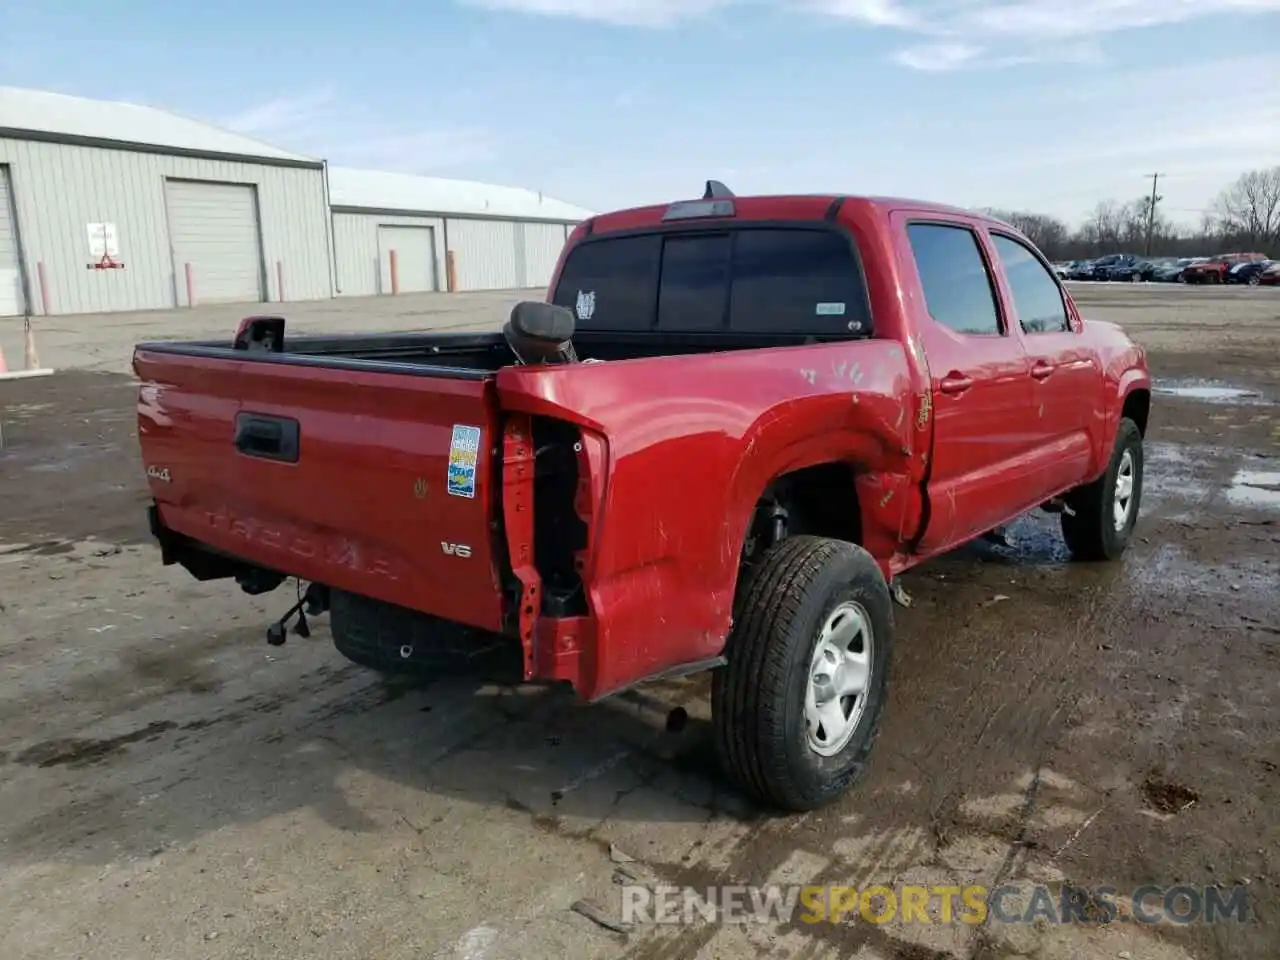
1016 104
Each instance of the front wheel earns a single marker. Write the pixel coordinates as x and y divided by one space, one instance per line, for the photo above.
1104 513
798 705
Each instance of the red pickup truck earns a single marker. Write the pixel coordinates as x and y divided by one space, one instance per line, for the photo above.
1216 269
735 420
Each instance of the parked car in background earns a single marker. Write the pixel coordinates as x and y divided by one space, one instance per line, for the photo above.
1104 268
1061 269
1169 269
1146 271
1080 270
1248 272
1214 270
1270 277
1134 271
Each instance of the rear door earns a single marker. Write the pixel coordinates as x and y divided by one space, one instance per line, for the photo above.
980 463
378 483
1066 405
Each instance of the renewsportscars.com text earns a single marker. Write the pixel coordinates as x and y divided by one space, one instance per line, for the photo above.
906 903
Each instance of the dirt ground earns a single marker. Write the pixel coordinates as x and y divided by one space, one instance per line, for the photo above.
170 786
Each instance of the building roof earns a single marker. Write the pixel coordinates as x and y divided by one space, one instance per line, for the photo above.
373 190
60 115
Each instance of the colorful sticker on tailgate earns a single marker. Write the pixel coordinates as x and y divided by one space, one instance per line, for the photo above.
464 453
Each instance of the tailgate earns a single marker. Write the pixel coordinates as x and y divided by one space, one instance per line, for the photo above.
379 483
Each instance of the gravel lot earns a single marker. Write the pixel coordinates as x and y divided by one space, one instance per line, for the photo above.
172 787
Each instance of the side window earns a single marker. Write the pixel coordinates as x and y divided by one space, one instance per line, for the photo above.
695 282
1036 295
791 280
957 288
609 284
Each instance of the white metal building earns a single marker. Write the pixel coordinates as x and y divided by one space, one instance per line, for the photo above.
394 233
114 206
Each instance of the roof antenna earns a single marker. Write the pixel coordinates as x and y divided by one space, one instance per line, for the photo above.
716 191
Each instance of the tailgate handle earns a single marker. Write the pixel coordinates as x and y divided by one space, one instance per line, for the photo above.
271 438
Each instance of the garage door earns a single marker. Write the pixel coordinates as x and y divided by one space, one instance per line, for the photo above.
485 254
542 244
214 228
415 250
10 275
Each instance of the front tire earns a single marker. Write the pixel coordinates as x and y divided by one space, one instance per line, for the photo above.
798 706
1106 511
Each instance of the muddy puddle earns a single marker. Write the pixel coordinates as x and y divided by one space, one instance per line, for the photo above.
1209 391
1255 487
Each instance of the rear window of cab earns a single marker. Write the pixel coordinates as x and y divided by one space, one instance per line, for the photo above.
759 280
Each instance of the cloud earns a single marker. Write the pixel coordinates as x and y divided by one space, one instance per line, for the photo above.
282 113
954 55
946 34
943 55
421 152
626 13
320 124
959 34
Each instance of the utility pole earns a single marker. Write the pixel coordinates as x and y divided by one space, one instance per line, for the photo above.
1151 211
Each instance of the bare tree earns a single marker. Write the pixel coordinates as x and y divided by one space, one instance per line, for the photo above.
1048 233
1245 216
1249 210
1104 231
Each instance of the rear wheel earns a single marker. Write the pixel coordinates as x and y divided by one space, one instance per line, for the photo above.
1105 512
798 706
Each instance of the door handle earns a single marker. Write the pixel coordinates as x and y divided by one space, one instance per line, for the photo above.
955 383
1042 370
267 437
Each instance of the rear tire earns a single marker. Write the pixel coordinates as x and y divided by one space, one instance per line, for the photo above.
1106 511
813 626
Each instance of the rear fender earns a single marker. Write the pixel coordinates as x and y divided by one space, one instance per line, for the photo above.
875 443
672 603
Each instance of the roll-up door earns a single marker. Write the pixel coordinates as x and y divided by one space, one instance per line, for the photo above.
11 300
485 254
415 250
214 233
542 245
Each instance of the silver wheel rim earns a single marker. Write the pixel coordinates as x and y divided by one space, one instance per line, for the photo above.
839 679
1123 499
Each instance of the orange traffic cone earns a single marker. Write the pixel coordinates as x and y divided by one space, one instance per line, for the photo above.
30 360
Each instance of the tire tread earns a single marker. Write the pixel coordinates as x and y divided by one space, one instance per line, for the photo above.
748 707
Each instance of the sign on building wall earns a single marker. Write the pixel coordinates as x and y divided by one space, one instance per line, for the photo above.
103 241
